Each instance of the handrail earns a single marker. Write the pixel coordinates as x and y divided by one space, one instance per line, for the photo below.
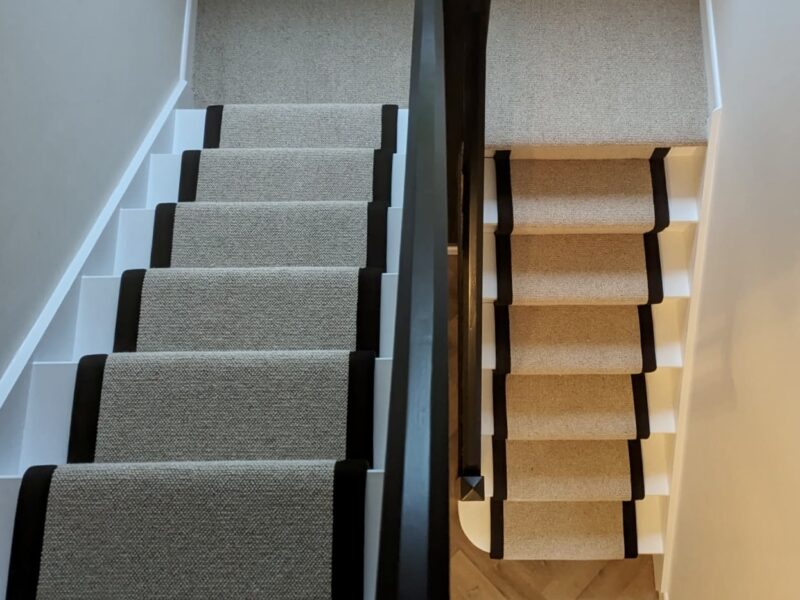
414 548
445 147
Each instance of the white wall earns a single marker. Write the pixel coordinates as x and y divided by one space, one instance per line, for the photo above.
737 532
81 81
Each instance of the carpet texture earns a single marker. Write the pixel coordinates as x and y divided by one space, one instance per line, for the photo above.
566 340
563 530
582 196
563 77
569 407
578 269
248 309
223 406
263 175
300 125
575 470
277 234
189 530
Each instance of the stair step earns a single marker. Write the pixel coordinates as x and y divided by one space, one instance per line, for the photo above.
563 530
298 308
568 470
264 234
199 529
571 407
269 175
566 340
301 126
244 406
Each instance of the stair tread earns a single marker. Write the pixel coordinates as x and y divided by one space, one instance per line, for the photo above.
562 530
301 125
578 269
567 470
244 405
272 521
275 175
569 407
582 196
555 340
249 309
267 234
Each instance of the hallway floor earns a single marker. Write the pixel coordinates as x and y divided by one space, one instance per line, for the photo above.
474 575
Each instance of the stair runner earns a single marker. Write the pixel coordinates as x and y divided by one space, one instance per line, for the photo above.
221 450
578 268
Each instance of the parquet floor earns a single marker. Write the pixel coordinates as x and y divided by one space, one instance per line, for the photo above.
474 576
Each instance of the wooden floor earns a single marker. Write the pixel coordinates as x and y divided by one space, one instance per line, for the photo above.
474 575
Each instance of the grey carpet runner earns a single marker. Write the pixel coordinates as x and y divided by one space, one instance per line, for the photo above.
578 267
221 450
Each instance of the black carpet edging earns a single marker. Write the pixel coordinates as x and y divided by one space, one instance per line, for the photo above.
637 469
347 557
640 410
505 225
360 392
499 405
499 468
213 128
389 128
382 176
190 170
163 231
502 339
496 528
629 529
647 338
377 223
652 257
658 176
26 544
368 315
86 408
130 303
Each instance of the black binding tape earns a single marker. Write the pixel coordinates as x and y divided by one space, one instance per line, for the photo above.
347 567
213 127
389 128
377 216
629 529
163 230
496 528
382 176
652 257
368 319
190 170
26 544
86 408
647 338
502 339
658 176
360 391
637 469
130 302
505 225
499 467
499 405
640 410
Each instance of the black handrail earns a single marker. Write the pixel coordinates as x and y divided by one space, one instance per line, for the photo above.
445 147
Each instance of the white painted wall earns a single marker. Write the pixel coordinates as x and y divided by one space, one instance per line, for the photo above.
82 82
737 522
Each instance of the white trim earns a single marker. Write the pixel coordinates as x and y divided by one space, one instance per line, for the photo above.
690 345
187 43
712 60
73 271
